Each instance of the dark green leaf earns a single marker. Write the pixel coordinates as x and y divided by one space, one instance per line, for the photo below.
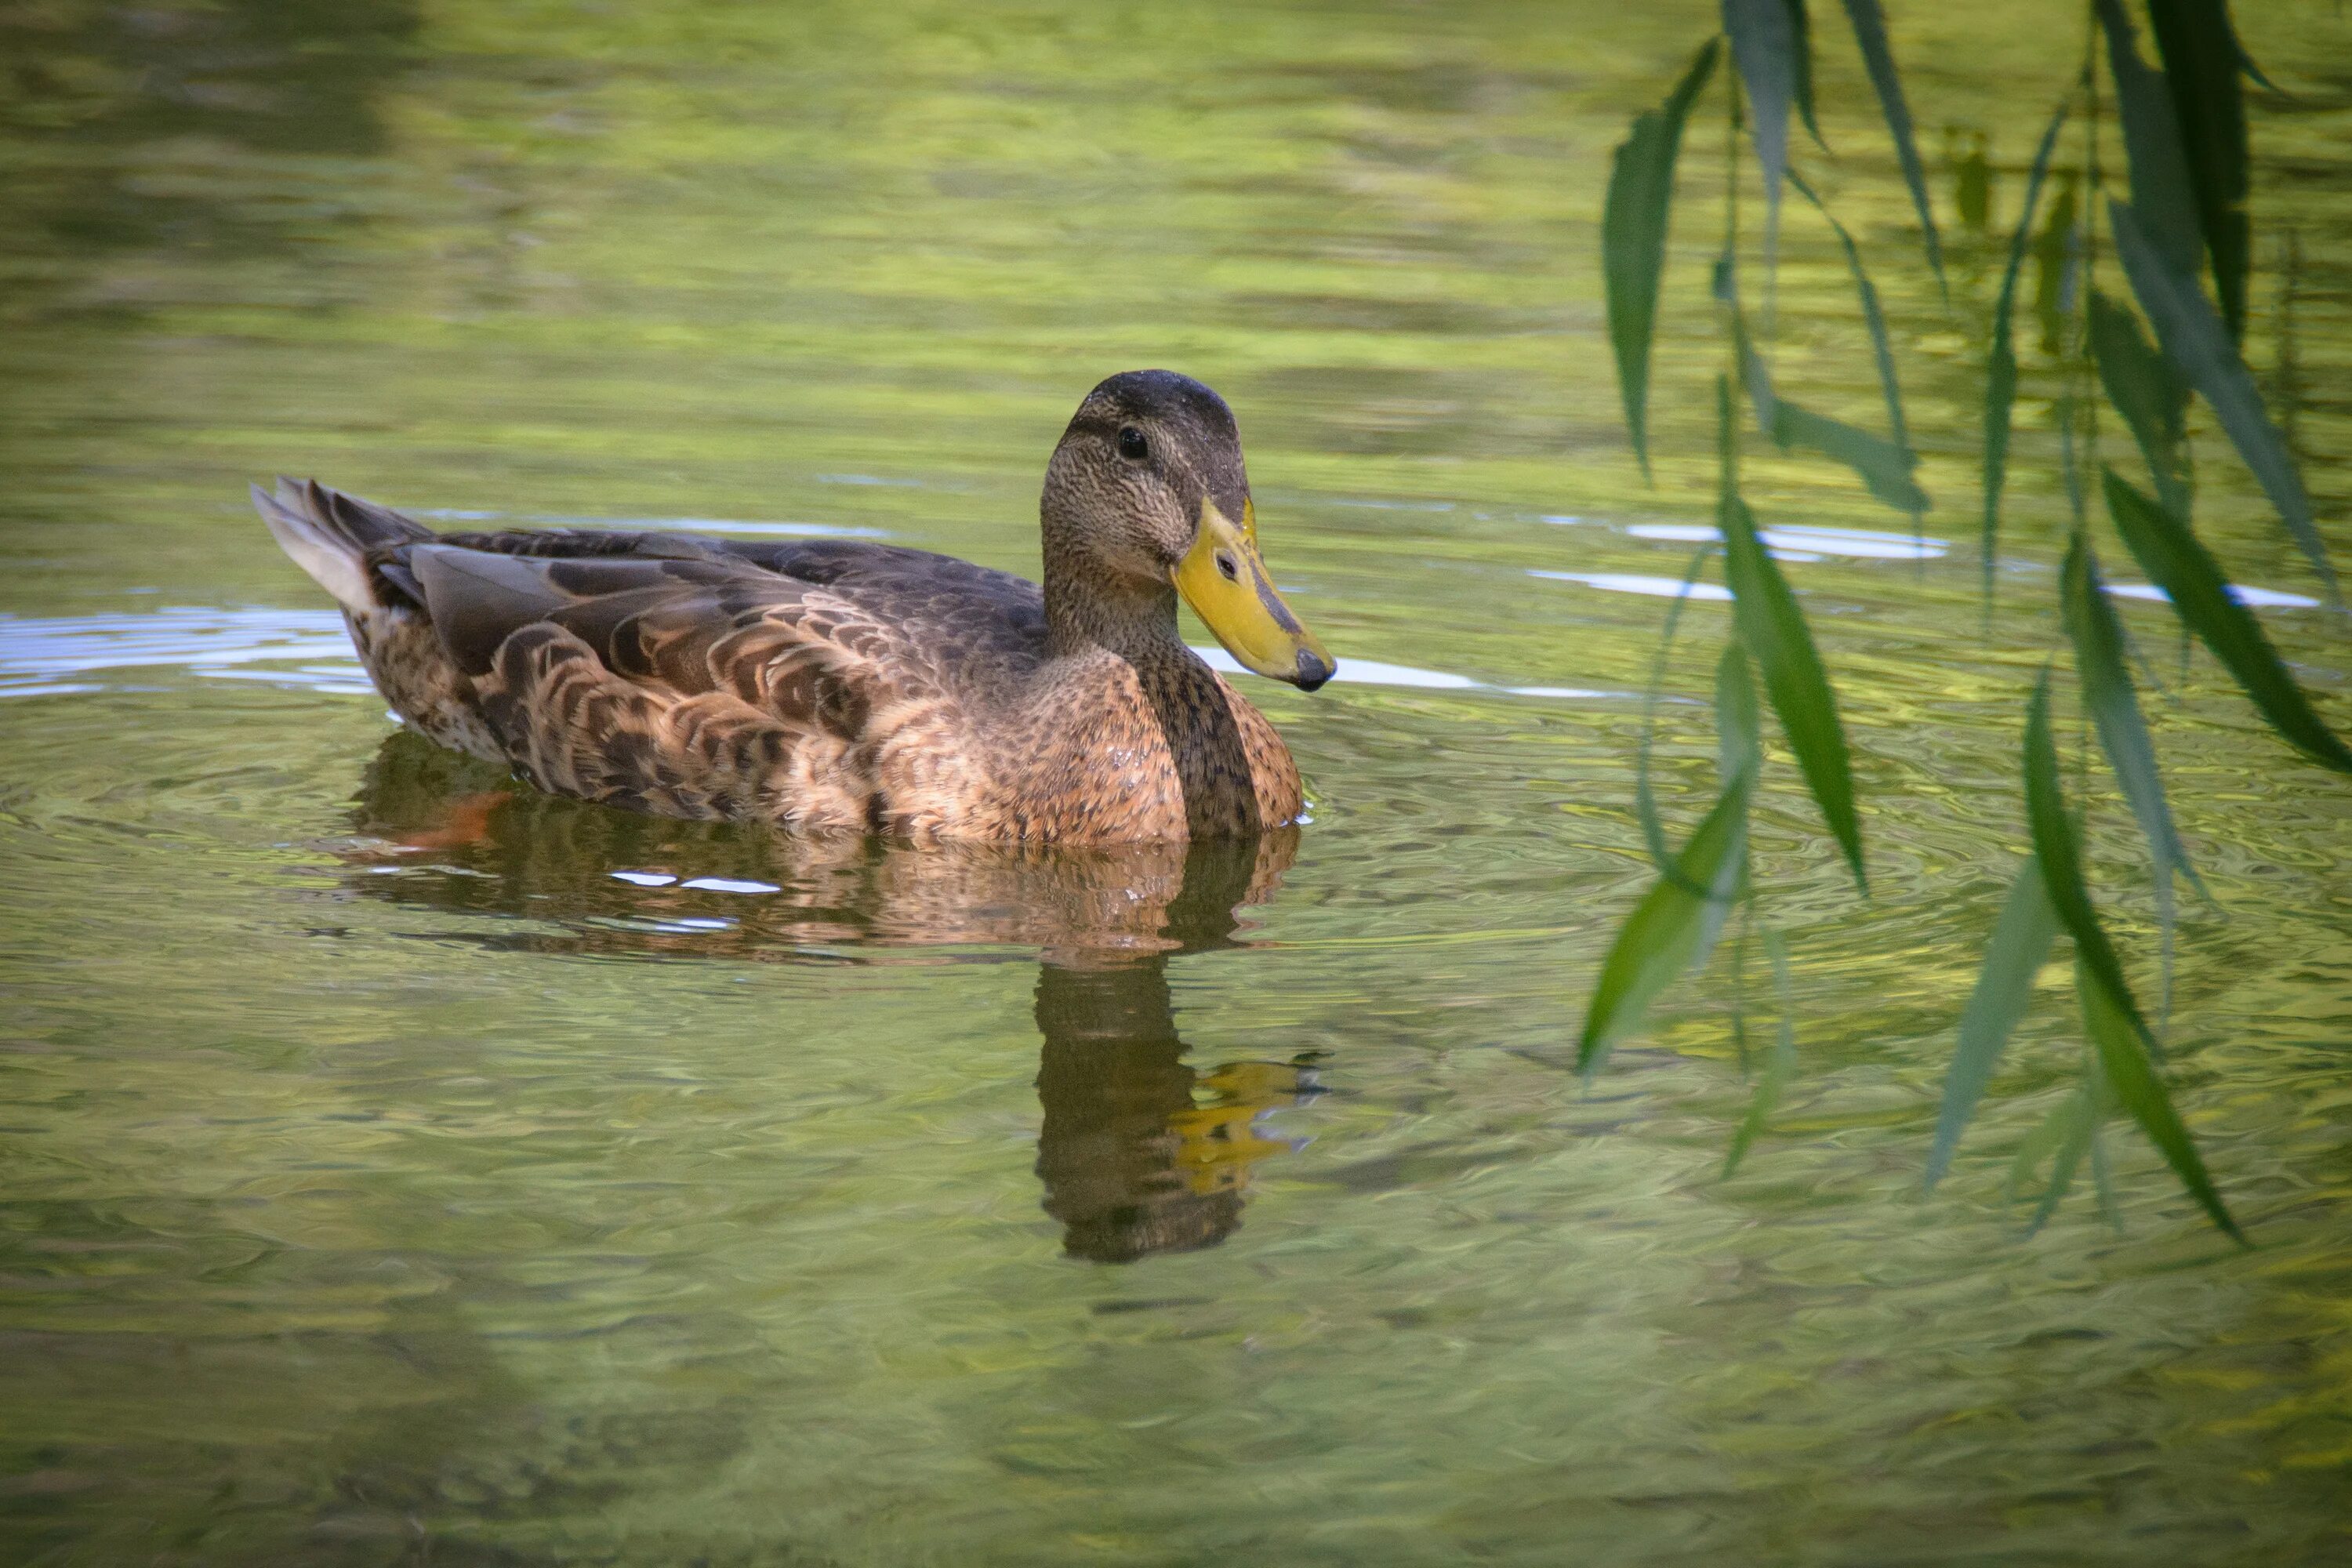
2109 1015
2019 945
1779 1070
1766 47
1739 726
1774 630
2000 367
1885 468
1672 928
1873 318
2201 65
1633 240
2148 391
2181 565
1646 800
2118 1037
2162 193
2055 253
1870 34
2194 340
2080 1121
2098 640
2060 856
2048 1136
1802 28
1972 183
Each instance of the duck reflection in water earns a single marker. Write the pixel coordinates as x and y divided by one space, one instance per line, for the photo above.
1139 1151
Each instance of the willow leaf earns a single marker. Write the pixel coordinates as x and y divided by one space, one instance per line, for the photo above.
2109 1015
1779 1070
1872 317
1766 46
2078 1121
2048 1135
2148 391
1774 630
2019 947
2060 856
2161 190
1633 240
2194 340
2181 565
1870 35
2201 65
2107 684
1885 469
2115 1034
1646 800
2000 367
1801 29
1671 929
1739 726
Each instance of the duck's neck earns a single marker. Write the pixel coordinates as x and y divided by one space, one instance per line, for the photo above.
1140 626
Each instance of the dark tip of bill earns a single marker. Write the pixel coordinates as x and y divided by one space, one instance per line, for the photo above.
1313 671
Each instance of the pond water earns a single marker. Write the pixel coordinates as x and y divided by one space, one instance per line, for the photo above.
400 1167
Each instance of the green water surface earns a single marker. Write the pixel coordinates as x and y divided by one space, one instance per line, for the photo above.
385 1180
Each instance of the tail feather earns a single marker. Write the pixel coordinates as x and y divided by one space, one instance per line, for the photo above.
329 534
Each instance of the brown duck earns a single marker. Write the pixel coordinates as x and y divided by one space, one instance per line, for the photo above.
836 684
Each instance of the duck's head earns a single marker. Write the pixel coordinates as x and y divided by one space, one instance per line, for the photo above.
1147 492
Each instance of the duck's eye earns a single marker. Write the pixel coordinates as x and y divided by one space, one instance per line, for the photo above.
1225 567
1131 443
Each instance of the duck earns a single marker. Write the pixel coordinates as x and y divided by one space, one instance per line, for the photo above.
841 685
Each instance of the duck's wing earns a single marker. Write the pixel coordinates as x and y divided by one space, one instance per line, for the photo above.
961 627
677 679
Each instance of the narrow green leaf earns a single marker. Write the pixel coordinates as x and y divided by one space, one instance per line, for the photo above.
2107 692
2109 1015
2048 1135
1872 317
1971 181
2060 856
2107 684
1870 35
1766 46
2201 65
2000 367
1738 726
1671 929
2194 340
2162 193
1776 1070
1885 469
2148 391
1646 800
2181 565
1774 630
2102 1181
1633 240
2117 1035
2019 945
2080 1122
2056 252
1802 30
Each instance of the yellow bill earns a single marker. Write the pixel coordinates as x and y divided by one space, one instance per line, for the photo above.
1224 580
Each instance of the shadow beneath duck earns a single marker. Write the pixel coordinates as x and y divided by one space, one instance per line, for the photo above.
1139 1153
